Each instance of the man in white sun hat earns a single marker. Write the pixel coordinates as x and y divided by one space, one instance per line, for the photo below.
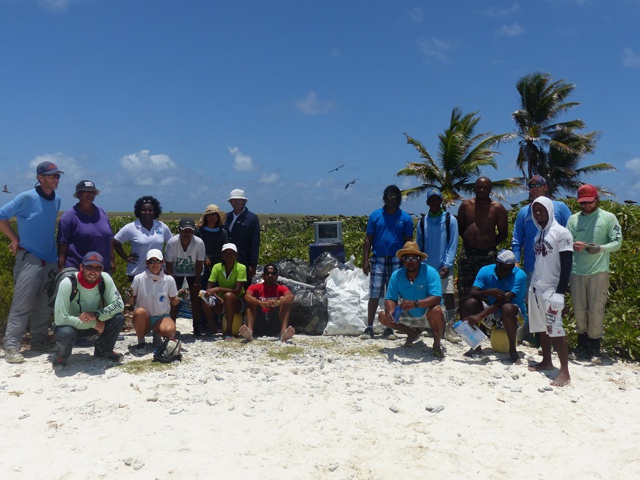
244 231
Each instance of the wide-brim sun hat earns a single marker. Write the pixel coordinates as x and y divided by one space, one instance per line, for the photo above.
410 248
237 194
213 208
85 186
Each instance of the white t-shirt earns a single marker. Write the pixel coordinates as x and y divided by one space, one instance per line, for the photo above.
555 239
142 240
184 262
154 296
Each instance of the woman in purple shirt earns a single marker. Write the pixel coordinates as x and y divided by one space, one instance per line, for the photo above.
85 228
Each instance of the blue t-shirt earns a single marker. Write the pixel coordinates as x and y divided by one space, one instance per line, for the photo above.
516 283
525 233
389 231
36 219
431 237
426 284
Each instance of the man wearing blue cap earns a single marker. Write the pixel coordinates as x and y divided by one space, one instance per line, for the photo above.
36 263
437 236
88 305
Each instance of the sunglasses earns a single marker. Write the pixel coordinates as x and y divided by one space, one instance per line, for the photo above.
154 262
53 175
534 185
587 203
411 258
271 273
93 268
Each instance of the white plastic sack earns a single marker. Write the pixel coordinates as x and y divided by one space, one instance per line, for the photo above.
347 300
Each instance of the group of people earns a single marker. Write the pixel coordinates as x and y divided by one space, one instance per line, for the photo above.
552 252
216 259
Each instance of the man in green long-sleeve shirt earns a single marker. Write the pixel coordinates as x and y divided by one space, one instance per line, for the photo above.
596 234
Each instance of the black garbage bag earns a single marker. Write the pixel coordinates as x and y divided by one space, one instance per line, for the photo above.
309 310
322 266
295 270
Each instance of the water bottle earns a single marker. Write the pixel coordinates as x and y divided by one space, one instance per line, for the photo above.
211 300
396 313
469 335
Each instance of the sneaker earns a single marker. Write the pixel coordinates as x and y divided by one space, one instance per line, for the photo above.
43 346
596 360
140 349
157 340
580 353
115 357
389 335
450 335
13 355
368 334
59 360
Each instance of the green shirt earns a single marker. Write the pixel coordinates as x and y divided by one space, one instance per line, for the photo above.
219 276
600 227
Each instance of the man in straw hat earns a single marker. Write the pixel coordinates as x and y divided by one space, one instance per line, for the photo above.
417 291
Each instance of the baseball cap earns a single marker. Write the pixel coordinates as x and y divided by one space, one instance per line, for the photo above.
506 256
93 258
237 194
229 246
433 191
154 253
47 168
537 179
85 186
587 193
186 223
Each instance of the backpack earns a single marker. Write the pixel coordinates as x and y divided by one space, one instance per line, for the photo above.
169 351
70 273
447 222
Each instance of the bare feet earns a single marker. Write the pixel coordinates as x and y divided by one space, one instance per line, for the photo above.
246 333
437 352
539 367
287 334
561 380
515 358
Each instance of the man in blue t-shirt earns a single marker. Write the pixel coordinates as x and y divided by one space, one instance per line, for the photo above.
387 230
34 246
497 298
414 297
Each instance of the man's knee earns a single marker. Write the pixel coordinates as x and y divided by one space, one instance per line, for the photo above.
65 335
383 319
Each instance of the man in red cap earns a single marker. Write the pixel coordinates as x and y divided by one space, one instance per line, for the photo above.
596 234
34 246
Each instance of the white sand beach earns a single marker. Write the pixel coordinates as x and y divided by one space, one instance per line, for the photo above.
316 408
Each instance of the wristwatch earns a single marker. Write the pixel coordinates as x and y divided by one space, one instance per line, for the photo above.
416 303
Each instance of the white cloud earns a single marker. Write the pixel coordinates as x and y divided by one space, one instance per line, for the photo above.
146 170
415 15
503 12
63 162
241 161
56 5
512 30
436 48
633 165
630 58
269 178
312 106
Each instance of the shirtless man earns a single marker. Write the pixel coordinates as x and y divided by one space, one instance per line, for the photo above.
478 220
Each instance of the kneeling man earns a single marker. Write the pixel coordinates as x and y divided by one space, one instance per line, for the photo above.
416 288
268 307
497 298
91 306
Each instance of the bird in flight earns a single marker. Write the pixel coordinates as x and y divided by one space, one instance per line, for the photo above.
352 182
630 202
337 168
5 189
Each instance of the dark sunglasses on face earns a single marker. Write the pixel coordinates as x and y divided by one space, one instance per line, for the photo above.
534 185
270 273
154 262
53 175
411 258
93 268
586 203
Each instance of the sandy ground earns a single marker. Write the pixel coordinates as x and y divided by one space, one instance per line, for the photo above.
316 408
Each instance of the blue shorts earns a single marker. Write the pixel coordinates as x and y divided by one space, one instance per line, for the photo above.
381 270
156 318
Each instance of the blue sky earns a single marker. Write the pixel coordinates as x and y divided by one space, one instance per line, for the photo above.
187 100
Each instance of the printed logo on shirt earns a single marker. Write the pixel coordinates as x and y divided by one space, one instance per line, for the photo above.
162 298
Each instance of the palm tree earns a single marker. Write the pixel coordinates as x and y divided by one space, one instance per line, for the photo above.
549 148
461 156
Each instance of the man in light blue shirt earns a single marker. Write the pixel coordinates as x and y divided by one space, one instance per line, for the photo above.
437 236
414 297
